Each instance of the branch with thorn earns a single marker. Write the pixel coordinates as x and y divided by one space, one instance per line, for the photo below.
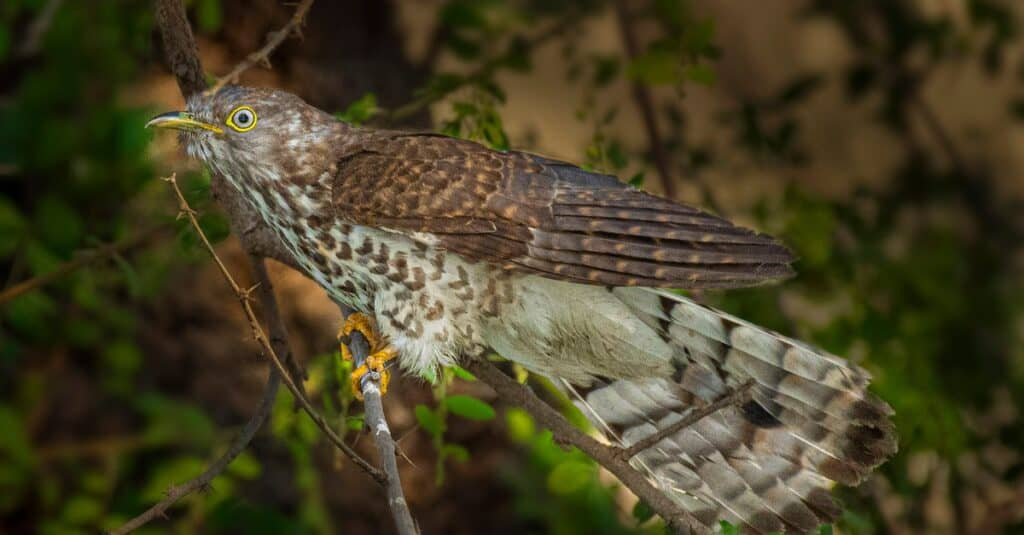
261 337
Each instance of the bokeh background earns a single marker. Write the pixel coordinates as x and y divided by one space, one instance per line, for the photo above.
882 139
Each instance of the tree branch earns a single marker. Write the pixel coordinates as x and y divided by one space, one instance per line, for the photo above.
377 425
180 46
644 101
202 481
610 457
84 258
261 337
263 54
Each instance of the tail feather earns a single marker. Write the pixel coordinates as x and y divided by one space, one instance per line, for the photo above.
767 465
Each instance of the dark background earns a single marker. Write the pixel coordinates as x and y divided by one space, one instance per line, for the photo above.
881 139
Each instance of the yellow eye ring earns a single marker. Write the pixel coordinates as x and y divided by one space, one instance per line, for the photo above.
242 119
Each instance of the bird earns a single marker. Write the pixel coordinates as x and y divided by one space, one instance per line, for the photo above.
449 250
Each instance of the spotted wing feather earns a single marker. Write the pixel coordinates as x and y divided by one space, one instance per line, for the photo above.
533 214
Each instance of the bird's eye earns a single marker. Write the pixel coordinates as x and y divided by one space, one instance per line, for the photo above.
242 119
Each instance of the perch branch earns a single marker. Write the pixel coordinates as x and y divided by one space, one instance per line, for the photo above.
263 54
734 398
261 338
84 258
202 481
678 519
644 101
378 427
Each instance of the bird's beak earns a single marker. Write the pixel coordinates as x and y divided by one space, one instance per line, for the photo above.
182 120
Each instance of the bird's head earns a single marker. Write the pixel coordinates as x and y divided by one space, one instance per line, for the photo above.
255 134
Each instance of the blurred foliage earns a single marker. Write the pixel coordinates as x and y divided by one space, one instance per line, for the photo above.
911 279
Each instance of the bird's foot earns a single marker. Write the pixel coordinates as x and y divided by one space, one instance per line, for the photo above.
380 352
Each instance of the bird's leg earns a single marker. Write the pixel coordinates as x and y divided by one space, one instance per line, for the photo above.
380 351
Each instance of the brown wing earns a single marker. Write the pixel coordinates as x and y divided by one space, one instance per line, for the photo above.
529 213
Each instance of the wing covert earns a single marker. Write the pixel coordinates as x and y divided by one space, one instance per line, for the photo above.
533 214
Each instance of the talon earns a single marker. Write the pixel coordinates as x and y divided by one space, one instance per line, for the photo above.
380 352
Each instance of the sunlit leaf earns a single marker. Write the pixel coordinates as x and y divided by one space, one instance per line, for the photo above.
571 476
469 407
428 420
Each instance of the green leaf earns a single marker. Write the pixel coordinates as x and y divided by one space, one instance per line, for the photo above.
429 420
463 374
729 529
455 451
361 110
520 425
469 407
570 476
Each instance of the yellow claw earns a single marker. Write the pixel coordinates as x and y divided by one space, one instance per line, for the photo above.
380 352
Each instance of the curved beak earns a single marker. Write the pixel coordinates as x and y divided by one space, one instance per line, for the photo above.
181 120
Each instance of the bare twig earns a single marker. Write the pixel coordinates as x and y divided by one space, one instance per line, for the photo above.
733 398
678 519
644 101
264 341
377 425
263 54
202 481
84 258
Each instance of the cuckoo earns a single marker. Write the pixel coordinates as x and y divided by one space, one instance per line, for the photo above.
449 250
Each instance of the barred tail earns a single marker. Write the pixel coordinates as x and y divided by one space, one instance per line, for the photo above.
768 465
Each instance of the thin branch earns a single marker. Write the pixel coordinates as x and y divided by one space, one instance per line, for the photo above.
83 259
644 101
734 398
261 337
677 518
378 427
263 54
180 46
202 481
